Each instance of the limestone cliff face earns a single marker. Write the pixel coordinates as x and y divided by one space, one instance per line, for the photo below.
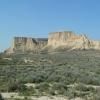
95 45
56 40
25 44
72 41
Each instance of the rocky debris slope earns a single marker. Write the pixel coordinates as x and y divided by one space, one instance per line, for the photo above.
56 40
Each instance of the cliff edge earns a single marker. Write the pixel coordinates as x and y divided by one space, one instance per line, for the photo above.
66 39
72 41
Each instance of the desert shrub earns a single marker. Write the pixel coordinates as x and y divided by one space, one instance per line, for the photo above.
96 97
52 92
38 77
71 93
12 87
84 88
43 87
54 78
28 92
26 98
59 88
1 98
90 80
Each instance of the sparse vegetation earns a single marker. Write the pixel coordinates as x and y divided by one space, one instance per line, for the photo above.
52 74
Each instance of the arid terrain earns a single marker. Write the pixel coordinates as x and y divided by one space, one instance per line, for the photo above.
56 75
65 66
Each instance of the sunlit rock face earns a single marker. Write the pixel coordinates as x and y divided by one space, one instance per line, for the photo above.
68 39
72 41
95 45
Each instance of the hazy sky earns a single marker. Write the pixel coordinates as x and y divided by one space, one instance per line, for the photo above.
37 18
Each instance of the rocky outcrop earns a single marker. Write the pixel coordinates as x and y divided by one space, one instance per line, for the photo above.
24 44
56 40
72 41
95 45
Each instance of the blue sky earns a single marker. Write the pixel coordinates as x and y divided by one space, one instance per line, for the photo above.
37 18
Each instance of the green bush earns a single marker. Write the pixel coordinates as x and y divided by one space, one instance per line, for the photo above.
1 98
13 87
43 87
84 88
60 88
28 92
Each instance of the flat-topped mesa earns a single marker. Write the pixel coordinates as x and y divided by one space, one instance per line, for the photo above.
23 44
59 38
56 41
68 39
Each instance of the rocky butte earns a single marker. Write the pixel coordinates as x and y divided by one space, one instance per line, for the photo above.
67 39
72 41
26 44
